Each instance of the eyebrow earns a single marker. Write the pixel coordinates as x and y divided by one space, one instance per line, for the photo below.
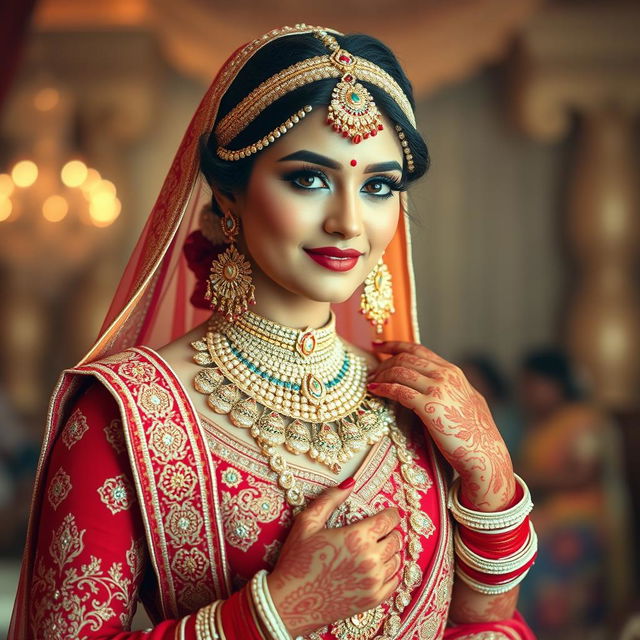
317 158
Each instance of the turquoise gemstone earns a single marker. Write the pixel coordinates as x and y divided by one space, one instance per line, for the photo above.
355 97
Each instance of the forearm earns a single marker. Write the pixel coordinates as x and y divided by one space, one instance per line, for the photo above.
469 606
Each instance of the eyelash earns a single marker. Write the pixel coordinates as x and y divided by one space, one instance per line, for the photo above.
394 184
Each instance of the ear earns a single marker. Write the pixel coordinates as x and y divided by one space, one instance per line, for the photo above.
224 200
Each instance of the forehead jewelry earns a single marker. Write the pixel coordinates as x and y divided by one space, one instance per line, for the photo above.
352 112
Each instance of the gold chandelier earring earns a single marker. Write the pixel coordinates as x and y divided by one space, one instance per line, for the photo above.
230 289
376 302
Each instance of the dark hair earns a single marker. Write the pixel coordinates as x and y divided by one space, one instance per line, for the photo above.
553 364
229 176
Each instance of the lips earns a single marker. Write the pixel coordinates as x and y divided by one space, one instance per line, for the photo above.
333 258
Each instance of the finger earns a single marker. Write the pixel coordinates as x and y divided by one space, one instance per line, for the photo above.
407 397
391 567
420 364
391 544
408 377
378 525
315 516
400 346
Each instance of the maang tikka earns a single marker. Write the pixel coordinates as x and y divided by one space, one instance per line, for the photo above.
229 288
376 301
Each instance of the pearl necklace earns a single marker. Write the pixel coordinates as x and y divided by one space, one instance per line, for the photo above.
301 389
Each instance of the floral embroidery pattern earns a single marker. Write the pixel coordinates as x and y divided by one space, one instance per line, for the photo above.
117 493
154 400
137 371
167 441
231 477
184 523
115 436
73 601
242 511
59 488
177 481
190 564
74 429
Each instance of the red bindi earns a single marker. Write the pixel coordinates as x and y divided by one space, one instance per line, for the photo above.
354 163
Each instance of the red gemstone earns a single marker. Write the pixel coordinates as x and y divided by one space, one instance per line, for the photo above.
365 136
380 127
345 134
344 58
336 127
329 120
348 78
357 139
374 132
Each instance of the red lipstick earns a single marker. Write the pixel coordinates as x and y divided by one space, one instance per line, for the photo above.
333 258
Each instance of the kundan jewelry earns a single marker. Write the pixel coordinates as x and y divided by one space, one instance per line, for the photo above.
229 287
376 301
352 111
243 364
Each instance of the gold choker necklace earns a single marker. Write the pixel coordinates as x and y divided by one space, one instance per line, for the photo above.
304 389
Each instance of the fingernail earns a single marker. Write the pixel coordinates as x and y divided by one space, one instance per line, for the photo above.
373 385
377 342
347 484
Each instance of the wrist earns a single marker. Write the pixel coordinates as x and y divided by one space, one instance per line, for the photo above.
478 494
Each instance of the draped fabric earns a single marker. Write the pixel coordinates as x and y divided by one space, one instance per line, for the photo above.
136 496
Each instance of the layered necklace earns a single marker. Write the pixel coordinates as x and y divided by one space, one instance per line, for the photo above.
306 390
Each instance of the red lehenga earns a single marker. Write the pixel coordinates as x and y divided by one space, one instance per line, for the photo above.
138 497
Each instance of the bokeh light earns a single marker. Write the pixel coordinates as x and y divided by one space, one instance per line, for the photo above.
101 187
74 173
24 173
104 209
6 185
55 208
6 206
46 99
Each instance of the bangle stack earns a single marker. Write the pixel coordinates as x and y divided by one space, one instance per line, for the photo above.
265 608
206 622
494 550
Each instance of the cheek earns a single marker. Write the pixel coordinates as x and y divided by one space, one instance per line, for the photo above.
274 211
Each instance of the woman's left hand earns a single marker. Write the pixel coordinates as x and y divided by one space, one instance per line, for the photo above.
456 416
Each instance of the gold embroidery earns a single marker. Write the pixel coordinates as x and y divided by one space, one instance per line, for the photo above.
167 441
177 481
154 400
59 488
194 596
231 477
190 564
123 356
115 436
184 523
260 502
72 602
117 493
137 371
74 429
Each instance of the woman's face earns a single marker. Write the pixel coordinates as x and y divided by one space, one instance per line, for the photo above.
312 193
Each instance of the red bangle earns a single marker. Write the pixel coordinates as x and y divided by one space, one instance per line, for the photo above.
235 614
495 545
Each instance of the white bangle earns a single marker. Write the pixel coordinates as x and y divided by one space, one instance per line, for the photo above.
265 607
489 589
490 521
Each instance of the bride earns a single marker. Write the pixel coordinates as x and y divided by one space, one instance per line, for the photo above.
235 451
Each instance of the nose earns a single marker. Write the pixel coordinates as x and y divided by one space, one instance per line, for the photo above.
344 216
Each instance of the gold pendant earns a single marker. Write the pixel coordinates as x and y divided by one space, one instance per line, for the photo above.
376 302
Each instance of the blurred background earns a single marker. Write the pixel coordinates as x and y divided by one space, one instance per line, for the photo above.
526 234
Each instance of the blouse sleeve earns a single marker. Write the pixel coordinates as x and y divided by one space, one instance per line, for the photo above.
91 554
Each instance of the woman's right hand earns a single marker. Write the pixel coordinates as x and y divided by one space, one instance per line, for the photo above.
327 574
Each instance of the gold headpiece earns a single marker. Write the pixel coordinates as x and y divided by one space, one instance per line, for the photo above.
352 112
